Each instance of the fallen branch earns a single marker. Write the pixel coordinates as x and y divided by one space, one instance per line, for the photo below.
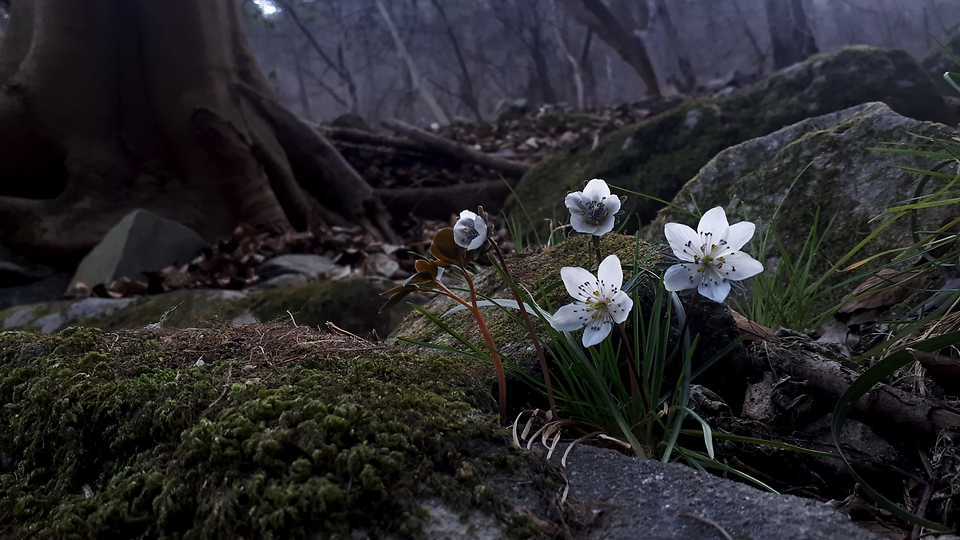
360 136
458 150
440 202
884 406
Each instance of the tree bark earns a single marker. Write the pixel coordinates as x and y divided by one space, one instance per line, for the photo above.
688 79
412 67
467 95
338 67
112 105
627 42
789 32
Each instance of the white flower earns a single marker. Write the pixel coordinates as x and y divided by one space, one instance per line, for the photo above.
470 231
712 255
599 301
592 210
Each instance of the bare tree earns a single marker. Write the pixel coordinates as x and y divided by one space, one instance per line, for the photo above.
789 32
595 15
338 67
412 70
466 94
526 22
302 85
688 79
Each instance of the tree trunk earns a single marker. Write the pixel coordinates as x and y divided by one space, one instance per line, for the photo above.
626 41
688 79
789 32
111 105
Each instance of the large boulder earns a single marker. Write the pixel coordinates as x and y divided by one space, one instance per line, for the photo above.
657 156
142 241
840 174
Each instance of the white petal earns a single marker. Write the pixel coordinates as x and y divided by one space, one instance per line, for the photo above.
713 286
596 190
620 306
605 226
570 317
610 275
738 265
680 277
574 201
481 227
466 214
739 234
684 241
612 204
579 223
595 332
713 226
580 284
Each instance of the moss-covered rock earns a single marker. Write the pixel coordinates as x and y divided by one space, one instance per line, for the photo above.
537 271
350 304
837 172
280 433
657 156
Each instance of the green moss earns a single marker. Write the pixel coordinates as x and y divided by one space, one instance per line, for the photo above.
556 120
657 156
168 449
350 304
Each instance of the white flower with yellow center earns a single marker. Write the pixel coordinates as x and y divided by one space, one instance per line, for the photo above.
711 255
593 210
599 301
470 232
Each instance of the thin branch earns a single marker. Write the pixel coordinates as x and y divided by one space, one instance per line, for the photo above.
411 67
340 70
467 94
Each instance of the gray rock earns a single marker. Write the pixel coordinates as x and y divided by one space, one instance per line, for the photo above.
295 263
142 241
43 290
841 176
16 270
645 499
283 280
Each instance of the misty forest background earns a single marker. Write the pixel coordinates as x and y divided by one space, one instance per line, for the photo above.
329 57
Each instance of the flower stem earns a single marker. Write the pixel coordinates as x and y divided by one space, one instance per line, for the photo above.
530 330
637 393
487 337
596 249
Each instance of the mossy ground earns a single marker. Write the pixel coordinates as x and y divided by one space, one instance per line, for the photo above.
350 304
658 156
280 433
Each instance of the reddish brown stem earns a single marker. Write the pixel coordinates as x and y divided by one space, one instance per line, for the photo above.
487 337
